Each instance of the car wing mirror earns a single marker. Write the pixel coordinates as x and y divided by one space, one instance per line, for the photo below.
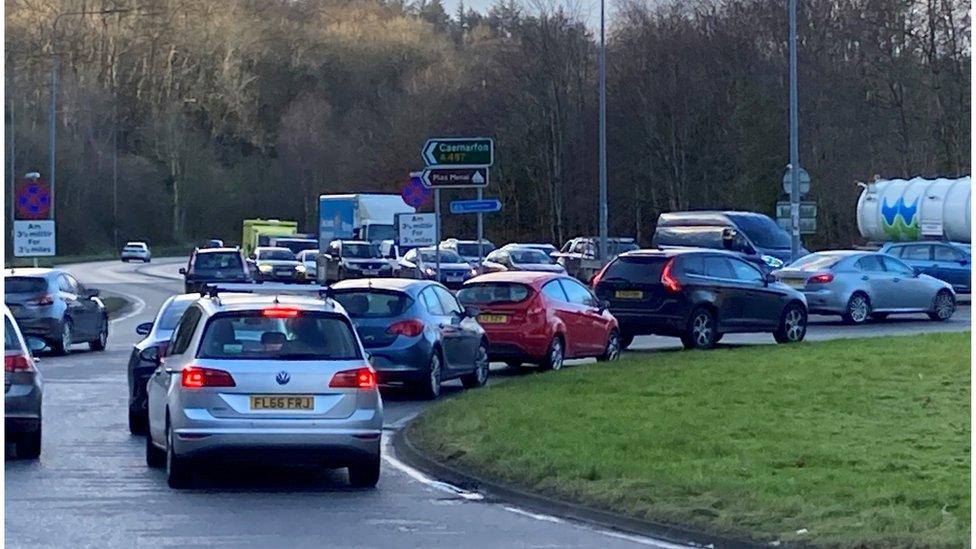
150 354
35 345
92 292
182 270
471 312
144 328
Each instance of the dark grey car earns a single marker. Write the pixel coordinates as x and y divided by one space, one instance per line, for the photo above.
52 305
23 390
143 359
416 333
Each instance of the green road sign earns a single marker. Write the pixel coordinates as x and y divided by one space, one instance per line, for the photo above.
459 151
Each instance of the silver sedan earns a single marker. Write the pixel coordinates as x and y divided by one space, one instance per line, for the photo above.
860 285
251 377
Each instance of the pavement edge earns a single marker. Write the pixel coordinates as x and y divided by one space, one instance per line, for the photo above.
407 451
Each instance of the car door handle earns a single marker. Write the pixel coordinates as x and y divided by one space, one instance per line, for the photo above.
896 279
865 277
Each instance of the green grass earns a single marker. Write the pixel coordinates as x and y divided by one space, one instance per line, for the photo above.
860 442
114 305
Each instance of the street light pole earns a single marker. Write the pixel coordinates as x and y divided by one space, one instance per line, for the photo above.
603 133
794 145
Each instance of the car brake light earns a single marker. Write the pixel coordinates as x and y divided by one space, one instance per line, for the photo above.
280 312
821 279
409 328
668 279
17 363
195 377
46 299
360 378
599 276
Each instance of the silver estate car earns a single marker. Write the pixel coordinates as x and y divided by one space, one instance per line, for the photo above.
261 376
23 389
861 285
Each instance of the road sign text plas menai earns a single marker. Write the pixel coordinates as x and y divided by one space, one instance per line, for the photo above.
455 177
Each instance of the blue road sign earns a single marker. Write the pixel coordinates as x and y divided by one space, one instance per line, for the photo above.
476 206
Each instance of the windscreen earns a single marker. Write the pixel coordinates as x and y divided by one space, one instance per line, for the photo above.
277 254
528 257
762 231
296 245
617 247
447 256
815 262
170 316
361 251
471 250
638 270
381 232
24 285
10 341
493 292
253 335
373 303
217 261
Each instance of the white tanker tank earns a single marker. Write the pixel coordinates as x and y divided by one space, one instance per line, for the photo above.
891 210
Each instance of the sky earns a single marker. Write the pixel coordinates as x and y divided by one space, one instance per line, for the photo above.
589 9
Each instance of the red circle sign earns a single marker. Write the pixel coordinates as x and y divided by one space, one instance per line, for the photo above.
32 200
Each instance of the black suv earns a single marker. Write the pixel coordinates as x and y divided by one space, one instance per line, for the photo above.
213 265
698 295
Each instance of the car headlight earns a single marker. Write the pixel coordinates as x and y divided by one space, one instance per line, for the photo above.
773 262
430 271
264 268
473 271
300 268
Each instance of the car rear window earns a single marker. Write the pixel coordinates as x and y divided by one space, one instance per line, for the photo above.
641 270
814 262
529 257
281 254
493 292
217 261
254 335
24 285
10 341
373 303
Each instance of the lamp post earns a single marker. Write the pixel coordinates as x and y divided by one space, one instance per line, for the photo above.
603 133
794 145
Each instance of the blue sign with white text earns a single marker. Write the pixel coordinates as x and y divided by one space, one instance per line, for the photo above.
476 206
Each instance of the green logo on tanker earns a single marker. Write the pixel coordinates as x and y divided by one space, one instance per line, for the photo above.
900 221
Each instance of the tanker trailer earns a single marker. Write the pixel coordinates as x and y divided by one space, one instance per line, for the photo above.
897 210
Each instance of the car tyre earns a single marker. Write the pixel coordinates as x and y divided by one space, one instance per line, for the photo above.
155 458
29 445
365 475
792 325
858 309
177 468
137 422
701 331
430 389
555 355
62 346
612 350
100 342
626 340
479 376
943 306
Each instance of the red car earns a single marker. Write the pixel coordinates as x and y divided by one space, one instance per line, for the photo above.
541 318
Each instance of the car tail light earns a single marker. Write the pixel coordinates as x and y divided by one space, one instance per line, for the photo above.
44 300
599 276
360 378
668 279
409 328
280 312
821 279
17 363
195 377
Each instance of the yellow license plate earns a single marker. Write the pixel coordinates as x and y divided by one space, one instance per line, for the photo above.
629 294
492 319
282 402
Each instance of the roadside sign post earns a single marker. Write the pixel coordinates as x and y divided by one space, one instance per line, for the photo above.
805 212
33 223
437 239
481 230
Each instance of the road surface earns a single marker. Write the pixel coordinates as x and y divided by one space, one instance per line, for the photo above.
91 486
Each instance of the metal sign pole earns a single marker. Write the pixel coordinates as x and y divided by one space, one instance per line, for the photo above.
794 146
437 238
481 233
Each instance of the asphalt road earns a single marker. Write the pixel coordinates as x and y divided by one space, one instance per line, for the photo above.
91 486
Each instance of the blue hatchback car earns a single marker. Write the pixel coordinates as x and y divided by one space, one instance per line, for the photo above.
416 333
947 261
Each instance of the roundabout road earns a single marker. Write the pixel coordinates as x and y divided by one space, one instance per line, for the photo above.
91 486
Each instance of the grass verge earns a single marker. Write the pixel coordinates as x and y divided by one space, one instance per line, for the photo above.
115 305
859 442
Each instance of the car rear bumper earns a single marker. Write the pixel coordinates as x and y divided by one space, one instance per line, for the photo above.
825 301
44 327
402 362
634 322
22 407
514 343
356 436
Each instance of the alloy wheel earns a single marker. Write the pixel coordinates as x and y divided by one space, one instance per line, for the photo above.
482 361
435 375
858 308
556 355
613 347
66 336
701 329
794 324
944 305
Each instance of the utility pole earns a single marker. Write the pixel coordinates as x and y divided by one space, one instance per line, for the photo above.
115 176
794 145
603 133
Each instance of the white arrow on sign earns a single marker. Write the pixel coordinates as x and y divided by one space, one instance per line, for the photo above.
429 152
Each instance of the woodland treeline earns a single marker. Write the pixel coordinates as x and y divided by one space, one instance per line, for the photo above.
208 112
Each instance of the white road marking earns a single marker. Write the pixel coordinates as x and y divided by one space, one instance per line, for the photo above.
139 307
424 479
